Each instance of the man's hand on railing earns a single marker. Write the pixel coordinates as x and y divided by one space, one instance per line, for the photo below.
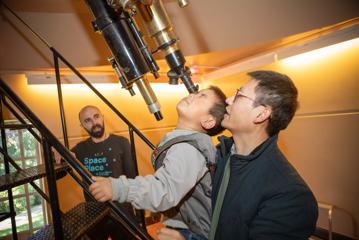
58 157
101 189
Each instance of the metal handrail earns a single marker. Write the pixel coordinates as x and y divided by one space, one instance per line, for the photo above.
50 139
7 171
56 144
56 55
18 168
103 98
329 208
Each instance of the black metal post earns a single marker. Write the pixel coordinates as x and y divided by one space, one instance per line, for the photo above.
107 102
7 171
51 183
140 215
61 104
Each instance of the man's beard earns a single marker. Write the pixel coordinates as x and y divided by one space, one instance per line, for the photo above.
98 133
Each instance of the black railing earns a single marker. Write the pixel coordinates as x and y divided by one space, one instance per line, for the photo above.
18 168
7 171
4 151
57 55
48 141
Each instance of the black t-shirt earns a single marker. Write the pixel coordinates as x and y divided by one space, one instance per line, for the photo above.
110 158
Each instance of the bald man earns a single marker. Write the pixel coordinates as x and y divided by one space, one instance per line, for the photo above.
105 155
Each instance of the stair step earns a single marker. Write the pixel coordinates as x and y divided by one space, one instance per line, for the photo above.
17 126
76 222
27 175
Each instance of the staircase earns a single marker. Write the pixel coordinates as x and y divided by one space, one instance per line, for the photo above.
28 175
75 223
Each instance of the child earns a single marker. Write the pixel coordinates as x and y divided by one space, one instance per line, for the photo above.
181 185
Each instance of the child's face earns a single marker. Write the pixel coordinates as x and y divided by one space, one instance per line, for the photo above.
195 107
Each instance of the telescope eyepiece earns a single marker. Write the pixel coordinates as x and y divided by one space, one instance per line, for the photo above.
158 115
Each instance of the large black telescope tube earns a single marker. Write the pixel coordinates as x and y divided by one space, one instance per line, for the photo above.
158 26
127 54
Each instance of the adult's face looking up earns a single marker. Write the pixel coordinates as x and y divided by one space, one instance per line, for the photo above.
244 113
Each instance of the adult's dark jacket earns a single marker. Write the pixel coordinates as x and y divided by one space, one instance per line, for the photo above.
265 198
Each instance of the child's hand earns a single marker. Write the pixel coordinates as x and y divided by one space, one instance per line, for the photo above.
169 234
101 189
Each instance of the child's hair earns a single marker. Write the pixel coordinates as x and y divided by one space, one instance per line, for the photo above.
217 111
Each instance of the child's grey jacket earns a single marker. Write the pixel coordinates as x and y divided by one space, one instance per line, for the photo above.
181 187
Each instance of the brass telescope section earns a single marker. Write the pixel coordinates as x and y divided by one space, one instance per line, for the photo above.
131 52
156 21
149 96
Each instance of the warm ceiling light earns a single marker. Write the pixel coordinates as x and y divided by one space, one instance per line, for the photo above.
312 49
36 77
311 56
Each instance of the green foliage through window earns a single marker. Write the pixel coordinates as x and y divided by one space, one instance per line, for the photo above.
22 148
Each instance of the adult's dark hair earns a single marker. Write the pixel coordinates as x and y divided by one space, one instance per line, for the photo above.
279 92
217 111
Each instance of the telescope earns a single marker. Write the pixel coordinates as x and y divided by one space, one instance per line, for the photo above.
131 57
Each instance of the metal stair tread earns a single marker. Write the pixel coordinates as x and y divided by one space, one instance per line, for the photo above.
23 176
76 222
17 126
4 215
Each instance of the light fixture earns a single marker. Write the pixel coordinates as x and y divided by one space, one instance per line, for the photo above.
38 77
